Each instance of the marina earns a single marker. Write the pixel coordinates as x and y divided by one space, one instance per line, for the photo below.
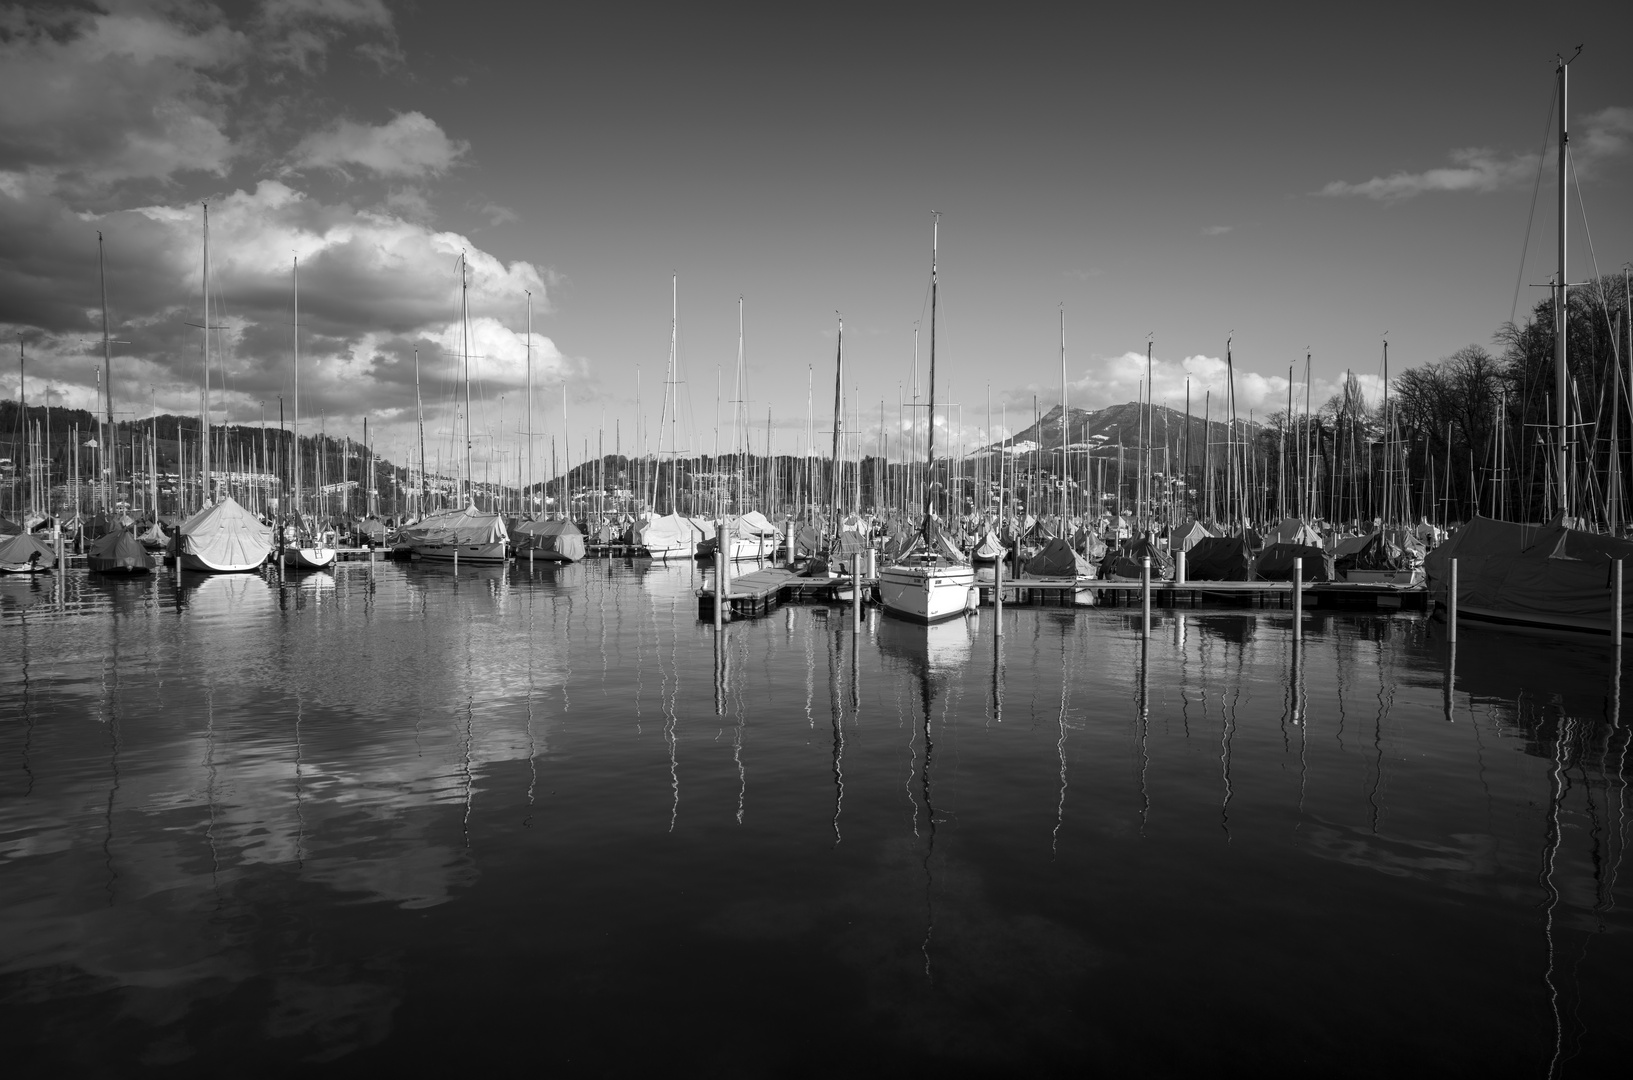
301 816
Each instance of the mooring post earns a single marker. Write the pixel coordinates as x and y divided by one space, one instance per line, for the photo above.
998 596
456 560
530 560
719 588
1145 597
1298 599
1451 606
856 591
1616 605
1179 567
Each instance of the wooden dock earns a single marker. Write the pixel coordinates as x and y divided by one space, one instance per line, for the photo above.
751 594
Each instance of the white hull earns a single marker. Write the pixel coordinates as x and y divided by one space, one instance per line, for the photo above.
309 558
491 553
200 565
747 549
684 550
1402 578
927 593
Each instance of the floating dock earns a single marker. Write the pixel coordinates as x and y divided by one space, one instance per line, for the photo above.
750 594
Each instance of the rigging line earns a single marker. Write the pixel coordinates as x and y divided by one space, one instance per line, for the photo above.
1536 190
1598 279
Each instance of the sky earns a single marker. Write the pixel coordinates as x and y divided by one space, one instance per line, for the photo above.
1290 180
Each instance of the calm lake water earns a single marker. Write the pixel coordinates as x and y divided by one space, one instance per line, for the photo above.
395 818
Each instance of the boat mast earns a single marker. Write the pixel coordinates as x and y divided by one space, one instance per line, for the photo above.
204 443
1065 416
529 398
839 424
1561 297
294 279
419 414
465 344
109 479
930 428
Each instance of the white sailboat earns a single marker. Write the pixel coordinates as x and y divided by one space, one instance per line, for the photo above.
303 548
932 581
468 535
672 536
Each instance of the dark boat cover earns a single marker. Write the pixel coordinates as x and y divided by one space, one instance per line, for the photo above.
1219 558
1057 559
1275 563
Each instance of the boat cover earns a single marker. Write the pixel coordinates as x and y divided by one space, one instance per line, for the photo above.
1530 572
226 534
154 537
561 537
669 531
18 548
1275 563
1188 535
1295 530
9 527
1375 553
467 526
990 547
1057 559
1220 558
1128 563
119 548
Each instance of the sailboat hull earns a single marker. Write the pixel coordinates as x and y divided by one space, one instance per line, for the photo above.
308 558
684 550
926 594
201 565
493 554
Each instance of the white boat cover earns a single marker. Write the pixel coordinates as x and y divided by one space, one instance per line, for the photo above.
1295 530
671 530
753 524
1188 535
226 534
467 526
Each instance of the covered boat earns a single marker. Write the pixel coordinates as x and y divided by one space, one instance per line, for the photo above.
1056 559
1220 558
1532 575
671 536
223 539
467 535
118 552
25 553
1275 563
154 538
553 541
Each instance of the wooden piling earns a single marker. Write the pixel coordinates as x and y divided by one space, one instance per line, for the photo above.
1451 606
1298 599
998 596
1616 605
1145 598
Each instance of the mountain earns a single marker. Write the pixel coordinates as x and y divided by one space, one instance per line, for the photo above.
1102 428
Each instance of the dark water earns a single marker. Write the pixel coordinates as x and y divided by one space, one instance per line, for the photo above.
398 818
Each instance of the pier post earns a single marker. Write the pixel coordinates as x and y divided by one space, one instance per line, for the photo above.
456 560
856 592
529 560
1179 567
998 596
719 588
1451 607
1616 605
1298 599
1145 598
788 542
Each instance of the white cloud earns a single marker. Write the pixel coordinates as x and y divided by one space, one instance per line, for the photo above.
1114 380
1604 134
411 145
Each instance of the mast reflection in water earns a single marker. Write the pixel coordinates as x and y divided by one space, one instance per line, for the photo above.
352 818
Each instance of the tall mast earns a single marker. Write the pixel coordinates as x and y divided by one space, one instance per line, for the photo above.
204 443
465 345
1561 298
295 283
1065 422
529 396
109 480
930 428
670 397
419 415
839 421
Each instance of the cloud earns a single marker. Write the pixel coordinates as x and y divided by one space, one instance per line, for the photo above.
91 99
302 32
1113 380
1602 135
498 215
1216 230
410 146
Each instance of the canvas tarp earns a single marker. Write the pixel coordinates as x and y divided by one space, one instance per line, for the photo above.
670 531
1056 559
1532 573
9 527
559 537
1188 535
1375 553
154 537
990 547
1220 558
118 550
19 549
467 526
1275 563
1128 563
226 534
1295 530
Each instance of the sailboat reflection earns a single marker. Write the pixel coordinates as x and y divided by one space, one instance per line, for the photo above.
937 655
223 594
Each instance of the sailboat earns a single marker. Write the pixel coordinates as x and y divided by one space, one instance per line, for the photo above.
467 535
932 581
1556 575
303 548
672 536
117 551
224 537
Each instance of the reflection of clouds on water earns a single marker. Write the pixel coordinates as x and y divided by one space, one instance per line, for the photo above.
1004 985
